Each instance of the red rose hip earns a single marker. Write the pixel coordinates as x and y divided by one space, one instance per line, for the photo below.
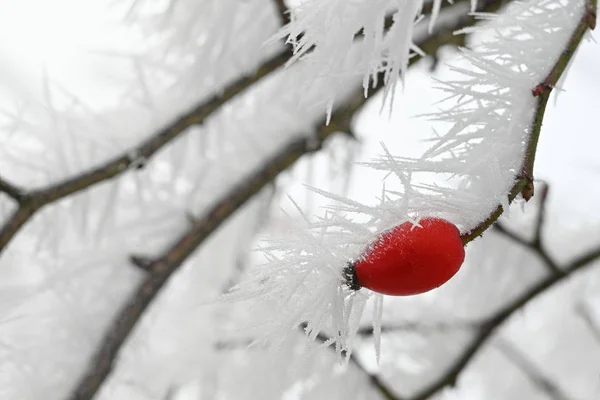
409 259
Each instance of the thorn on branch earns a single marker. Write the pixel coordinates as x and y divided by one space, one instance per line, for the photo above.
541 89
529 190
591 14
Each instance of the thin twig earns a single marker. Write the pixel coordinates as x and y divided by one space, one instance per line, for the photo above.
383 389
12 190
545 384
39 198
587 317
283 11
420 327
524 183
541 214
536 248
449 378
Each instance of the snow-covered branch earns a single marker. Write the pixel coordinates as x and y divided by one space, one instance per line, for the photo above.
524 183
161 268
136 157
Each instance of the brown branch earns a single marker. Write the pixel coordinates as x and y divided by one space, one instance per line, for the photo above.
524 183
36 199
12 190
541 214
534 374
283 11
501 316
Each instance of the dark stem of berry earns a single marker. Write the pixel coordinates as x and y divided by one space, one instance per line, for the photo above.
350 277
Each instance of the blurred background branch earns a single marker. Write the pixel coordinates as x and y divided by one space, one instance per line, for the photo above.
535 375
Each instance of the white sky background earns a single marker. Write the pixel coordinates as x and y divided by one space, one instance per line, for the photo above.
71 43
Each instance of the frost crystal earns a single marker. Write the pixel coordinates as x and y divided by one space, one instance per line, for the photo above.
327 29
482 151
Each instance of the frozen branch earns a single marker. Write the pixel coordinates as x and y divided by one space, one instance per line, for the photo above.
545 384
524 183
36 199
161 269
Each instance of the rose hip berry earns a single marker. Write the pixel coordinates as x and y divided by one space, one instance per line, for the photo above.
409 259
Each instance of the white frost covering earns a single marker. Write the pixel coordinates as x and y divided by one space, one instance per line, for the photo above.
490 112
332 25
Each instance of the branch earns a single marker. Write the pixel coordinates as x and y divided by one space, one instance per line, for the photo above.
534 246
37 199
587 317
33 201
14 192
524 183
541 215
282 10
162 268
420 327
488 328
544 383
376 382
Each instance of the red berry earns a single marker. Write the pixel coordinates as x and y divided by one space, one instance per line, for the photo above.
411 259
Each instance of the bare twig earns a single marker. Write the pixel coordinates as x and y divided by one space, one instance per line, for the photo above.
488 328
545 384
14 192
31 202
536 247
541 215
524 183
587 317
536 244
